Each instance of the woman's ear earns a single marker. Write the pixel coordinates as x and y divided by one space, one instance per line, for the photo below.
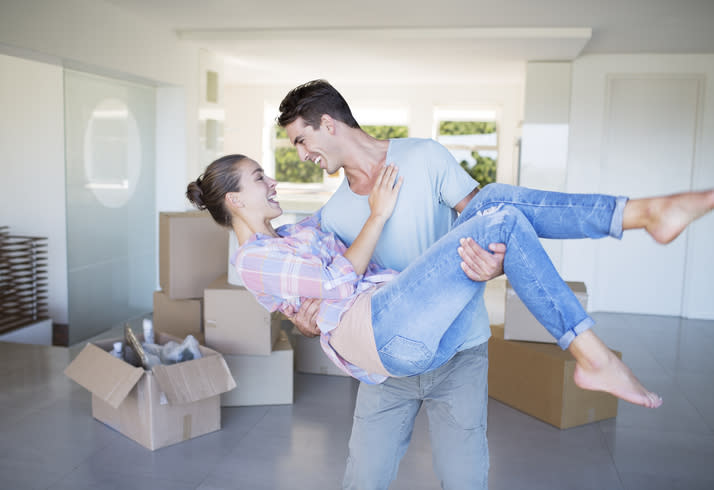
233 201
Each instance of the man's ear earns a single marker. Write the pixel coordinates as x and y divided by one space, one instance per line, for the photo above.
328 122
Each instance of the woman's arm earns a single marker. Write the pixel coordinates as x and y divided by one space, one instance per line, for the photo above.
382 200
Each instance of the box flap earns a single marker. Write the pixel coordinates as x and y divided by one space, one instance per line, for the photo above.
105 376
190 381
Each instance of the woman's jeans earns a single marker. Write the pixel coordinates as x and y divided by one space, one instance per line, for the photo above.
420 318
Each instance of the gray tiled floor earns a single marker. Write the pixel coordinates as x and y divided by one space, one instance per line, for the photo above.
50 441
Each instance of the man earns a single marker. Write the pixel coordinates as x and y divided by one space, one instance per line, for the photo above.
320 124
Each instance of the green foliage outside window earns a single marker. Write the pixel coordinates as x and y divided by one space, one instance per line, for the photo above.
289 167
386 132
484 170
467 127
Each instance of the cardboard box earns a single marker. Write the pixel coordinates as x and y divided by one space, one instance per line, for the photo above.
520 324
310 358
178 317
494 296
262 380
192 253
156 408
235 323
233 277
537 379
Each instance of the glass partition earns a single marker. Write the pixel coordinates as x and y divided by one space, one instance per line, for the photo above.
110 178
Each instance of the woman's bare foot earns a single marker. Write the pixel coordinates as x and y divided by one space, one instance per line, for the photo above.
666 217
617 379
599 369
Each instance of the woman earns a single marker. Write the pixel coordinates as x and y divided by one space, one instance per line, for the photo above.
364 308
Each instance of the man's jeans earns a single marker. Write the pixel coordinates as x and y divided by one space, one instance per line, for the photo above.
455 398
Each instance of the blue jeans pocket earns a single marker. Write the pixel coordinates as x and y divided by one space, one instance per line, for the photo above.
405 357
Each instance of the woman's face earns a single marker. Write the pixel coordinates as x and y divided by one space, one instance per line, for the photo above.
258 191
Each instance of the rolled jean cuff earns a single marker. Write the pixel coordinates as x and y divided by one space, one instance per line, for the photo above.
569 336
617 216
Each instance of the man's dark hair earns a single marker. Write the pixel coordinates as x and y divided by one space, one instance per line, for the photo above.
313 99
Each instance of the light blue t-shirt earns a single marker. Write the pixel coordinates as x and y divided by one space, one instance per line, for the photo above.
433 184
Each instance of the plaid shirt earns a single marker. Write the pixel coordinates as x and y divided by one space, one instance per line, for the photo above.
306 262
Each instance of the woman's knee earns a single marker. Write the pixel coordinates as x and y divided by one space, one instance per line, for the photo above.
495 191
489 199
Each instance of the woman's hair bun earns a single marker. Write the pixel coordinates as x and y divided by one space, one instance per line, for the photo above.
194 193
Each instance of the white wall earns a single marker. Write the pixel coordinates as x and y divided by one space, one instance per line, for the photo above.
32 146
644 125
544 135
42 36
245 104
211 114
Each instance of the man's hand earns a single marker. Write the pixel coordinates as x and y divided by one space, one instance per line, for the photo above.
478 264
305 319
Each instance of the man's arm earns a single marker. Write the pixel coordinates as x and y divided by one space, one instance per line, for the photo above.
305 319
462 203
478 264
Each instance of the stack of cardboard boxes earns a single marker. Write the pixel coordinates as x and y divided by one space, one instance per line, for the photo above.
194 255
246 356
167 404
529 372
253 343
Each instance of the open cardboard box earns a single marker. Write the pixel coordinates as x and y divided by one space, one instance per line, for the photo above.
156 408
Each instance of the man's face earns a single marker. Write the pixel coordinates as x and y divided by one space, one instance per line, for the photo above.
312 144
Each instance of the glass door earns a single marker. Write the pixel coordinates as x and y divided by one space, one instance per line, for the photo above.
110 175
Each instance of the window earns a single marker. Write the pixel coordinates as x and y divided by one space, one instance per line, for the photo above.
288 166
472 138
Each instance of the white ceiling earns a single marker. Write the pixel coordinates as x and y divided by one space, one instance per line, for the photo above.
397 41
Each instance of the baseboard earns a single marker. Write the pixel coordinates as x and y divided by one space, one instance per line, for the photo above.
60 334
38 332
